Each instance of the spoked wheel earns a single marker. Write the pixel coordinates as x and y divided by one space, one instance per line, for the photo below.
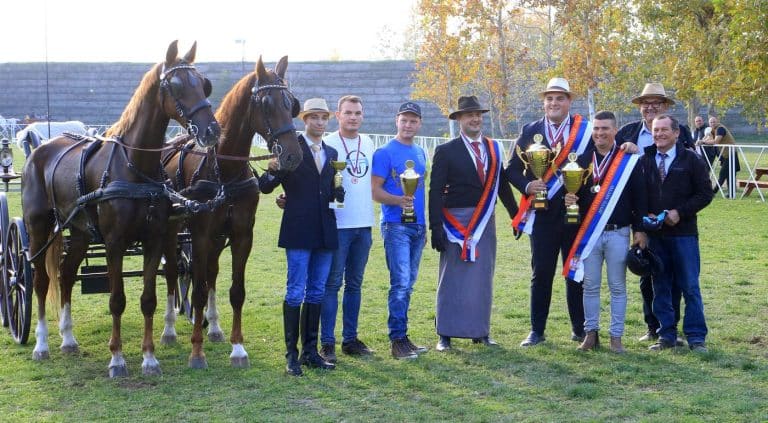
17 281
184 281
3 243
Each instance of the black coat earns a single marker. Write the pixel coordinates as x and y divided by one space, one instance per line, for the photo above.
307 222
686 188
631 131
454 182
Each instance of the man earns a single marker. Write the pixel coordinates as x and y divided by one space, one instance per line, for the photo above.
403 239
614 200
547 230
721 135
700 131
354 221
653 101
678 183
308 234
467 176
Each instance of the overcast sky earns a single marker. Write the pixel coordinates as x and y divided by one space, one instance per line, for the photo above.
225 30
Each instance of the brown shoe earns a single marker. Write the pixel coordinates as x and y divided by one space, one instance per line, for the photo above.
591 341
415 348
616 345
328 352
401 350
355 347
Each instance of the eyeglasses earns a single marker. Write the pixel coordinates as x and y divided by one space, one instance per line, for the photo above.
655 104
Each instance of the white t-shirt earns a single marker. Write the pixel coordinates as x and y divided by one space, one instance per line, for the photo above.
358 200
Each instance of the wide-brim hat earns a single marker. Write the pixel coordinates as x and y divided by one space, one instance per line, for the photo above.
557 85
653 90
467 104
315 105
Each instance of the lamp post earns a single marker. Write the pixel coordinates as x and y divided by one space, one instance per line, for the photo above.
241 41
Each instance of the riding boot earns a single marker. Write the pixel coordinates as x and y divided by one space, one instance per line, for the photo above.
616 345
591 341
310 326
291 327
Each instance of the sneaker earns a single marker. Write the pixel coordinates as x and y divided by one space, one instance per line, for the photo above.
649 336
662 344
698 348
401 350
328 352
415 348
355 347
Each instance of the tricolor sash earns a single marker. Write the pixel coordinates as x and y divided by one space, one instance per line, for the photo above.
468 236
578 139
599 212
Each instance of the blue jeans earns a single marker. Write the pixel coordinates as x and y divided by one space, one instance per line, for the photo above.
349 262
610 248
680 255
307 273
403 244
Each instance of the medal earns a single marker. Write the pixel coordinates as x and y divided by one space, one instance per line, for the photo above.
595 189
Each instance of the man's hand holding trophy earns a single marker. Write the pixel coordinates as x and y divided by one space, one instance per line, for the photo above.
538 159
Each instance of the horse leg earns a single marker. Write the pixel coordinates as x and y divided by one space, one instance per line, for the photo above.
171 278
152 252
215 334
200 240
241 249
39 230
78 244
117 365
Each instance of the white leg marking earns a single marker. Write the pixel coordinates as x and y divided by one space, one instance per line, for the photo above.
215 334
41 341
169 331
68 341
150 365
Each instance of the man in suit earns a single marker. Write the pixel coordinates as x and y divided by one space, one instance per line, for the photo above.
653 101
561 132
309 235
467 177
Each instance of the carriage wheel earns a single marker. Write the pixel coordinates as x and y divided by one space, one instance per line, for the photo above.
184 281
3 242
17 281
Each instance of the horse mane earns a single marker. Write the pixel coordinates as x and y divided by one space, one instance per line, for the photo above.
150 82
232 105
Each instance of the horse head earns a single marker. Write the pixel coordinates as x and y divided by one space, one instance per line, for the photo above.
184 92
276 107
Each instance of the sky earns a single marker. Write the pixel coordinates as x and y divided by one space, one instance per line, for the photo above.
225 30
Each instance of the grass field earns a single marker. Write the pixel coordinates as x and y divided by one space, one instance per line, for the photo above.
551 382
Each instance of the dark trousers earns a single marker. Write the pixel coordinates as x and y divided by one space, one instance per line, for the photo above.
646 289
547 241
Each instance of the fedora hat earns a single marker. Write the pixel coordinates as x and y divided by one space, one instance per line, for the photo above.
315 105
653 90
467 104
557 85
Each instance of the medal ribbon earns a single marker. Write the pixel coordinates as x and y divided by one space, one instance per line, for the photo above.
356 163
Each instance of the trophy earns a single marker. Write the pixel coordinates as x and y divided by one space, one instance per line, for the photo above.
337 178
538 158
409 181
574 177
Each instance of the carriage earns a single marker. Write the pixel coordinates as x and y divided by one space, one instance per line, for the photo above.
113 195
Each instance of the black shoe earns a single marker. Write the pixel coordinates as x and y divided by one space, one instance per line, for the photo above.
401 350
698 347
485 340
533 339
443 344
313 360
355 347
662 344
328 352
649 336
415 348
577 338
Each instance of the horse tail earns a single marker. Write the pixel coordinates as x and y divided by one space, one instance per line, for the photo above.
52 263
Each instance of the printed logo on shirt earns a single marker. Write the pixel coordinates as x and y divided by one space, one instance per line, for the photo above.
357 164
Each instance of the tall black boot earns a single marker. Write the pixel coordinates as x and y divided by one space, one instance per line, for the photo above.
310 326
291 317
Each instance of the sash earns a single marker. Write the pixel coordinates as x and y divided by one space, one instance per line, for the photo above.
599 212
468 236
578 139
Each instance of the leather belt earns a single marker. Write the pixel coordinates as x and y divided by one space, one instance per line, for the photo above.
613 227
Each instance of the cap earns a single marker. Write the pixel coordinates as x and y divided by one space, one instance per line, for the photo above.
410 107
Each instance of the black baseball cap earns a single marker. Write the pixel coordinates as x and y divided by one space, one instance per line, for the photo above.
410 107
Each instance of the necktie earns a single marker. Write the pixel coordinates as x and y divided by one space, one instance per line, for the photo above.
478 161
318 159
663 166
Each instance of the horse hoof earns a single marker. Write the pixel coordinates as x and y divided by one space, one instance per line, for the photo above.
40 355
216 337
240 362
198 363
70 349
168 339
151 370
118 371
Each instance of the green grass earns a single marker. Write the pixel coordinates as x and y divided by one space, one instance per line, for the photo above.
552 382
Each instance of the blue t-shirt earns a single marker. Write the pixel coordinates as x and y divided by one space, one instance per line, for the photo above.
389 163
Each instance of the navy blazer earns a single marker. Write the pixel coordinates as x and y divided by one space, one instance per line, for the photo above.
631 131
454 182
307 222
520 177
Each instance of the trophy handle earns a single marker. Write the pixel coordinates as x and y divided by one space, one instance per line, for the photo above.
587 173
520 154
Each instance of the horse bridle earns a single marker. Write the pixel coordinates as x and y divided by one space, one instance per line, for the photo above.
288 100
167 87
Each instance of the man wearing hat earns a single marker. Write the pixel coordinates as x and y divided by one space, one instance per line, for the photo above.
308 234
467 176
549 235
404 237
653 101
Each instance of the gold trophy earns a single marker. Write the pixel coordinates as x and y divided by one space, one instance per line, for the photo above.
409 181
538 158
337 181
574 176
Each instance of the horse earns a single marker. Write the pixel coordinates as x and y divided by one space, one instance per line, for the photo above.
259 103
111 190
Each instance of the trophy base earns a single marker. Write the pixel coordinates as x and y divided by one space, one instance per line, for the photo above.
572 220
540 204
407 219
335 205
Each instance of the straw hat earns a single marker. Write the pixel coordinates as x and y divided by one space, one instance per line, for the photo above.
557 85
315 105
467 104
653 90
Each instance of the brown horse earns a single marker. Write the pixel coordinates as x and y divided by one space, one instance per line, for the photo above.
259 103
112 188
